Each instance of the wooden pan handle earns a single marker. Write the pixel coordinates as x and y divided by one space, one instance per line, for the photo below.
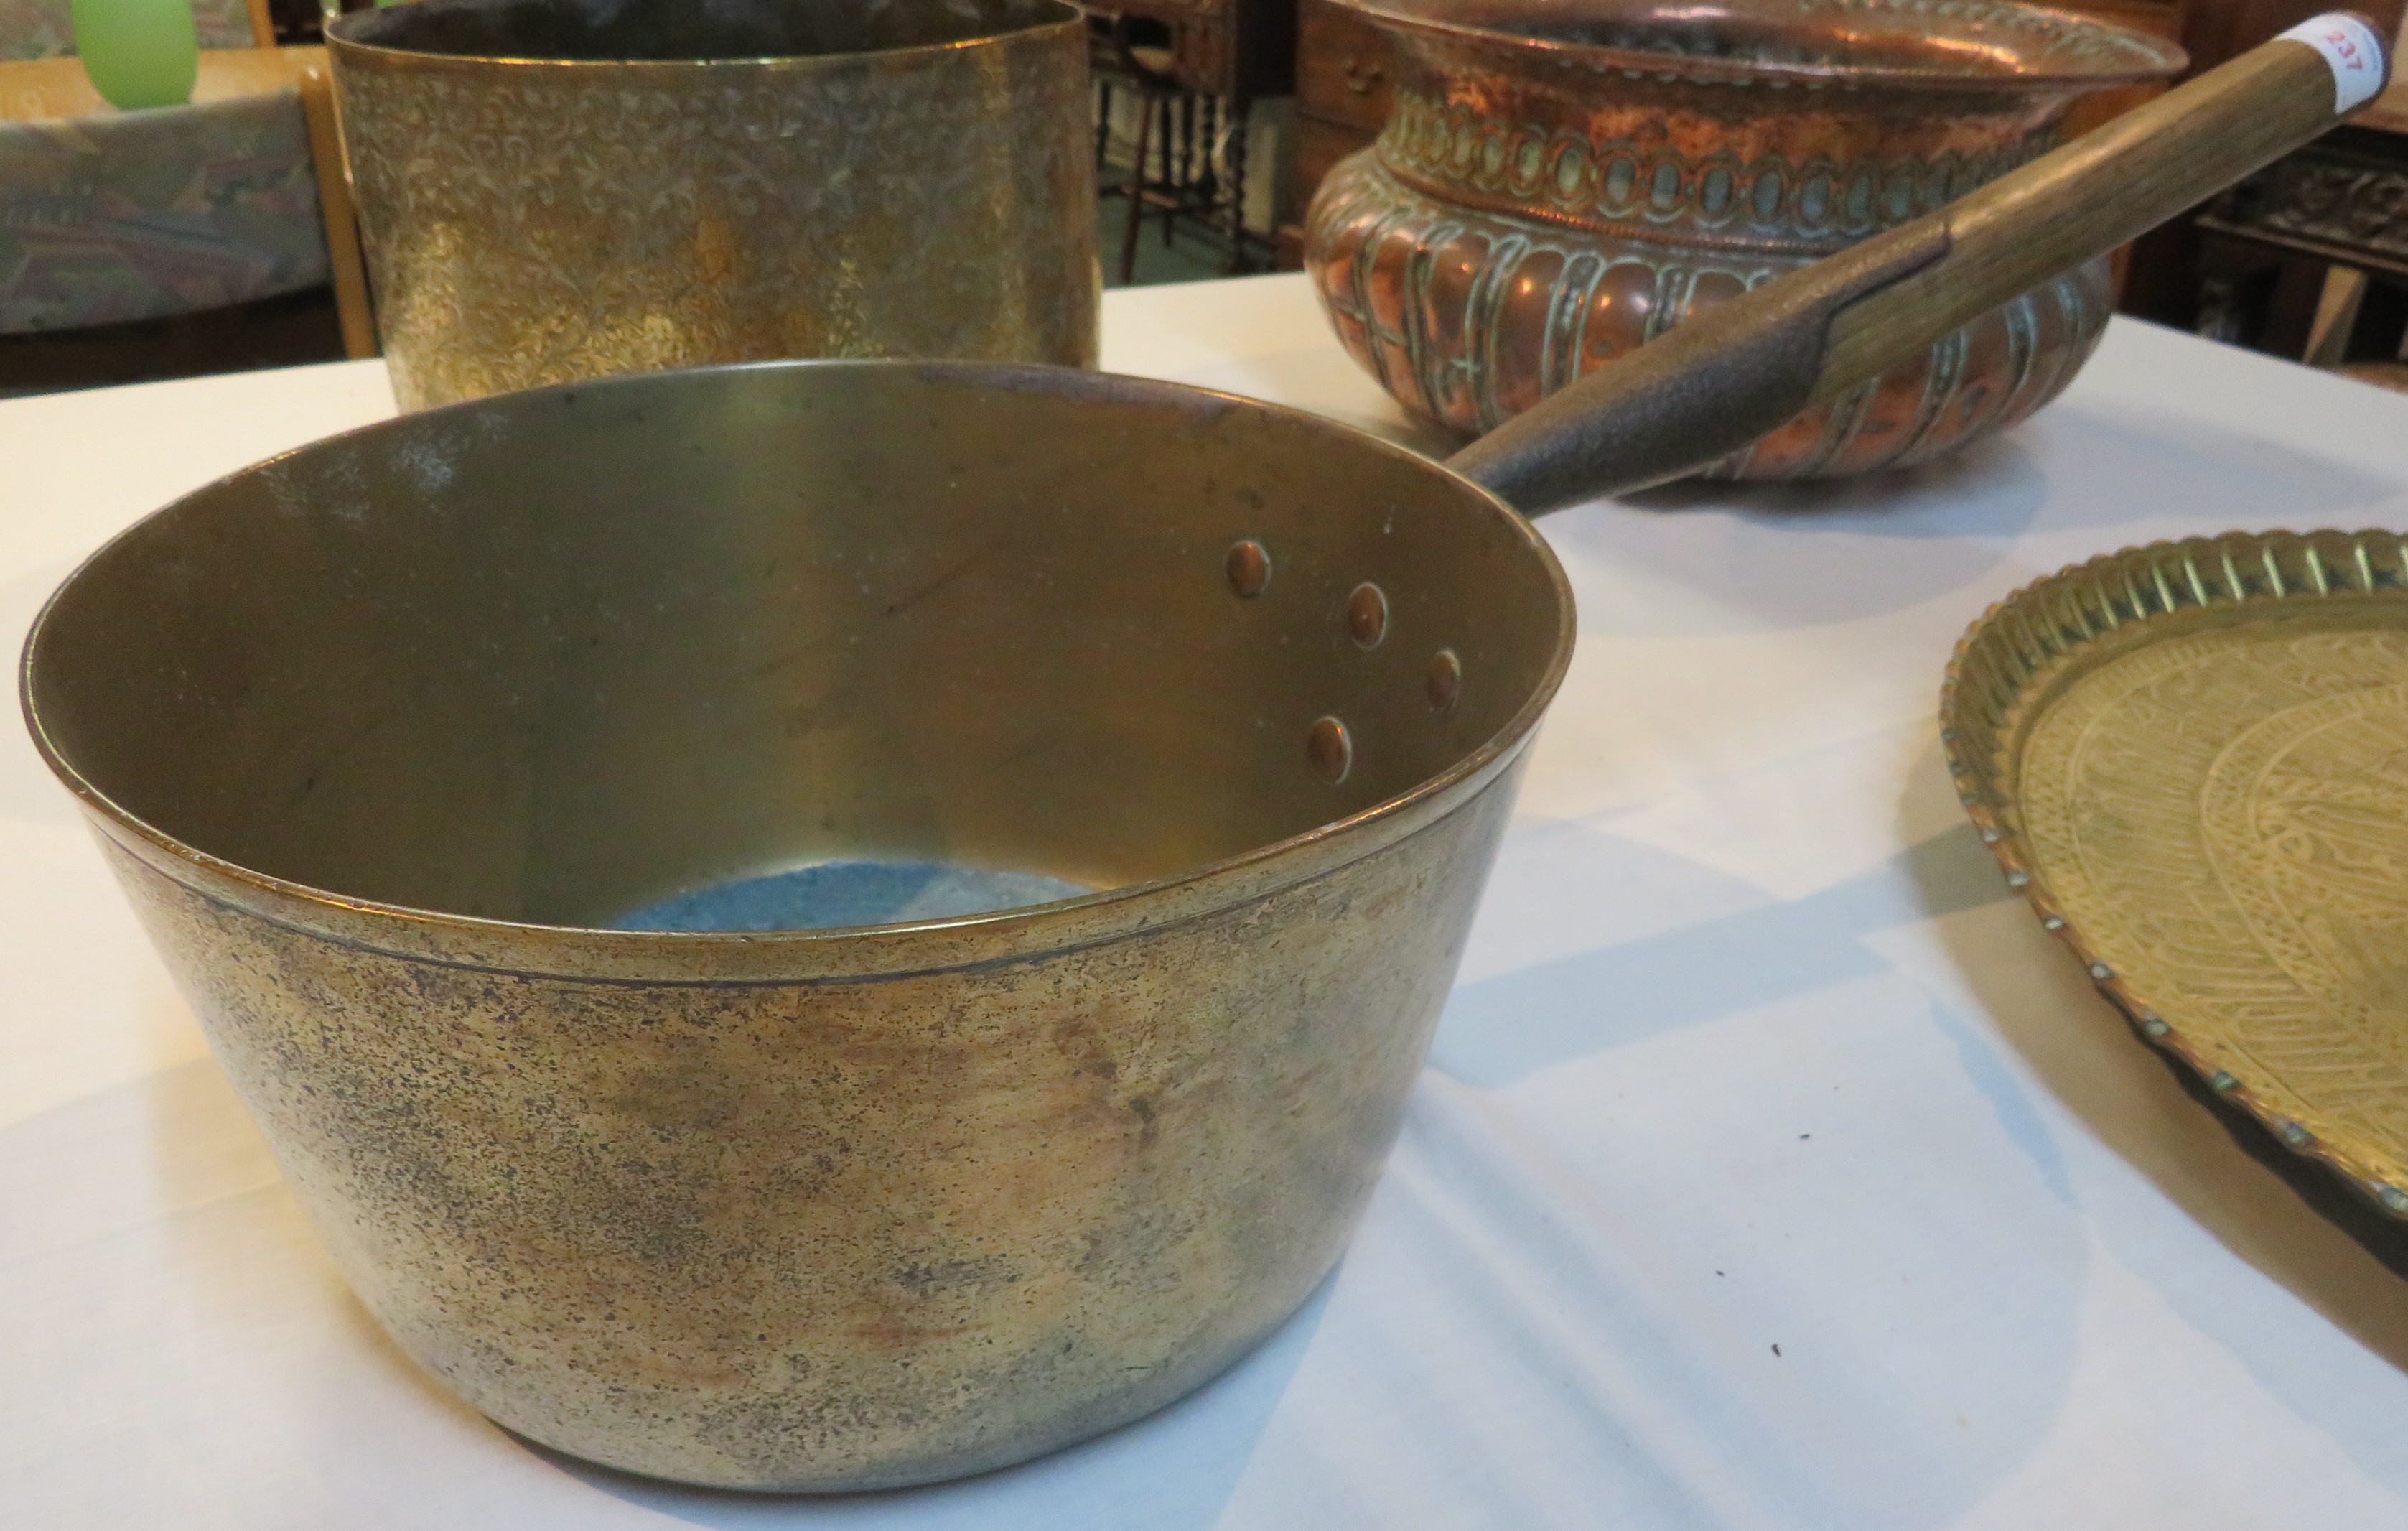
1729 374
2107 187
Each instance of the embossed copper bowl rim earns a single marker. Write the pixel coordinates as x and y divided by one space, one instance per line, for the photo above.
1063 15
2158 60
2005 665
831 953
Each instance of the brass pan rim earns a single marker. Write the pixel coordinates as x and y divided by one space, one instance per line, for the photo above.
845 953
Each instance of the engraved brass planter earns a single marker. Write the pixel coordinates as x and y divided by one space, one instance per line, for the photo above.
375 733
551 190
2188 757
1561 180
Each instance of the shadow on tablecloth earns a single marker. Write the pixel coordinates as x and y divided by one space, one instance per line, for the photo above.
2287 1218
1858 548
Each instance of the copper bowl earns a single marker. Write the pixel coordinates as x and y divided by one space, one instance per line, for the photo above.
1561 180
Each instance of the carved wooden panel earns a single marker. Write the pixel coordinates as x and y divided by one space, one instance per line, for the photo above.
2341 199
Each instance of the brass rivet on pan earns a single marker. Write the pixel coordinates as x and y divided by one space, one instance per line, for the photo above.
1331 750
1367 615
1249 566
1445 680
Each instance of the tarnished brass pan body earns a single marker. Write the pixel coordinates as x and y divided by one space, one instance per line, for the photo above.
376 732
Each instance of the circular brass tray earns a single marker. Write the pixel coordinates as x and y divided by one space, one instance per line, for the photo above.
2192 759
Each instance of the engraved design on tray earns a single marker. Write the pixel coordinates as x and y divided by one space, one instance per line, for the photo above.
2216 853
2307 826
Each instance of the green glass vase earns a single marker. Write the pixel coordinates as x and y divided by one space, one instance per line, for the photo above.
138 52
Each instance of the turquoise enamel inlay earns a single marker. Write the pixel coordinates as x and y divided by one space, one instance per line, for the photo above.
1572 171
1666 192
1620 177
1860 201
1715 195
1770 190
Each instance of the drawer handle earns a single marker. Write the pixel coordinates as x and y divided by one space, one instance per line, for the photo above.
1362 79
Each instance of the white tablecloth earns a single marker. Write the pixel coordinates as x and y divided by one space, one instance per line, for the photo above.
1772 1169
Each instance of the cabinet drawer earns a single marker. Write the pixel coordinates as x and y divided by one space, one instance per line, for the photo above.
1342 72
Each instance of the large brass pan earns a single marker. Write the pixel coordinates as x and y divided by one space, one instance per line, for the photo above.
380 734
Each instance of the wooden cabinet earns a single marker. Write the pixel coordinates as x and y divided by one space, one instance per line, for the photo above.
1342 68
2214 30
1343 89
1237 50
2168 277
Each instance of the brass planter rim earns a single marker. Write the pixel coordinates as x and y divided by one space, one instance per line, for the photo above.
2041 629
2163 59
1061 15
834 952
